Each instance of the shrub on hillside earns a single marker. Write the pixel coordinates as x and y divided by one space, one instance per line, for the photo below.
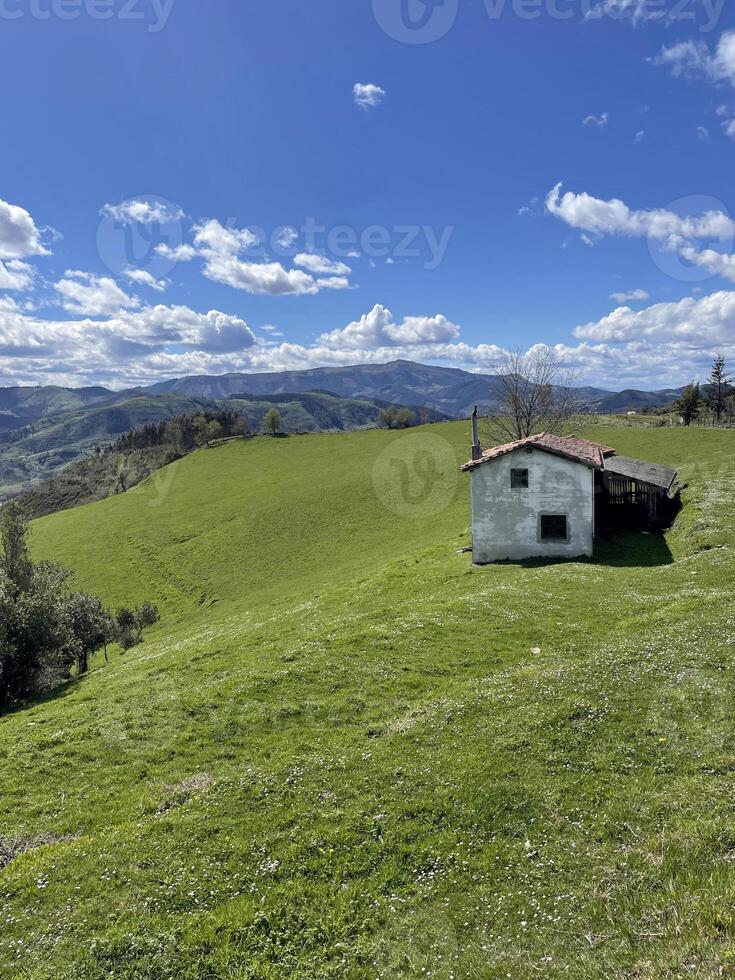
130 623
47 632
394 417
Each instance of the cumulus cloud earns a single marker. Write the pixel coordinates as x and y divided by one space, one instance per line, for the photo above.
367 96
144 278
705 322
90 295
17 275
682 235
286 237
377 329
143 211
176 253
222 249
634 294
667 343
614 217
320 265
118 347
19 236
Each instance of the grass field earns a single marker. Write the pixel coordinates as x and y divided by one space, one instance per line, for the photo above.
345 752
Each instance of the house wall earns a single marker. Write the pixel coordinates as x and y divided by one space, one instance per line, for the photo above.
505 522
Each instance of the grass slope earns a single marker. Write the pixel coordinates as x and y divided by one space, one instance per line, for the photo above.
339 754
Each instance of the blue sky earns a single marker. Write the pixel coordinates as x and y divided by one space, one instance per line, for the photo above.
163 162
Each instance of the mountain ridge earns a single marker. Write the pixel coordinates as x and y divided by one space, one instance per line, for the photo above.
452 391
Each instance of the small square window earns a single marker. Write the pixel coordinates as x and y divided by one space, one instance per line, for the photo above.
553 527
519 479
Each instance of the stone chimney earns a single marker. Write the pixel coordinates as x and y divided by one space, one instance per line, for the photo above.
476 447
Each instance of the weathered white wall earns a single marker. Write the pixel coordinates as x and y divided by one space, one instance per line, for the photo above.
505 522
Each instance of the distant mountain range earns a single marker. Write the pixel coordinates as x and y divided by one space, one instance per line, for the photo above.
43 429
449 390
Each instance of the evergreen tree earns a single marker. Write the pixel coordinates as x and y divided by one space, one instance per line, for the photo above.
689 403
719 384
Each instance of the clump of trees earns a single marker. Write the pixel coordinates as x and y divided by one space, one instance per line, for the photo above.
395 417
47 631
183 432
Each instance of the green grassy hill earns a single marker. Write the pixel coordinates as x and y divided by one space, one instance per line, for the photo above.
52 442
41 449
344 752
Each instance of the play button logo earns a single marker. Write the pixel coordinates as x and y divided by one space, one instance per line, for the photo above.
415 21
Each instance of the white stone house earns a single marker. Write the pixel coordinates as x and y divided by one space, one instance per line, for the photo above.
540 497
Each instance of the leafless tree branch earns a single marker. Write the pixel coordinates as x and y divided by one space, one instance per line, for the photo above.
535 393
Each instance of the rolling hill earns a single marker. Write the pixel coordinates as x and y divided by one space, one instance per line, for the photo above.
21 406
39 451
44 429
345 752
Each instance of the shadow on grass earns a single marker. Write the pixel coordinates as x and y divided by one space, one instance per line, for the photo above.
632 549
70 686
614 549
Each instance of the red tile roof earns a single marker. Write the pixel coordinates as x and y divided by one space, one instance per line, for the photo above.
569 447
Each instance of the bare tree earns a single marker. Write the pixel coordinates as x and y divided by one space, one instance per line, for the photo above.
535 393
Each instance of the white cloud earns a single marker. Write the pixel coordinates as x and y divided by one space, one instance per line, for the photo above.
703 134
221 250
368 96
144 278
377 329
716 262
695 58
213 236
320 265
613 217
143 211
178 253
671 231
600 121
15 274
665 344
19 236
258 278
639 136
634 294
91 295
705 322
333 282
286 237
